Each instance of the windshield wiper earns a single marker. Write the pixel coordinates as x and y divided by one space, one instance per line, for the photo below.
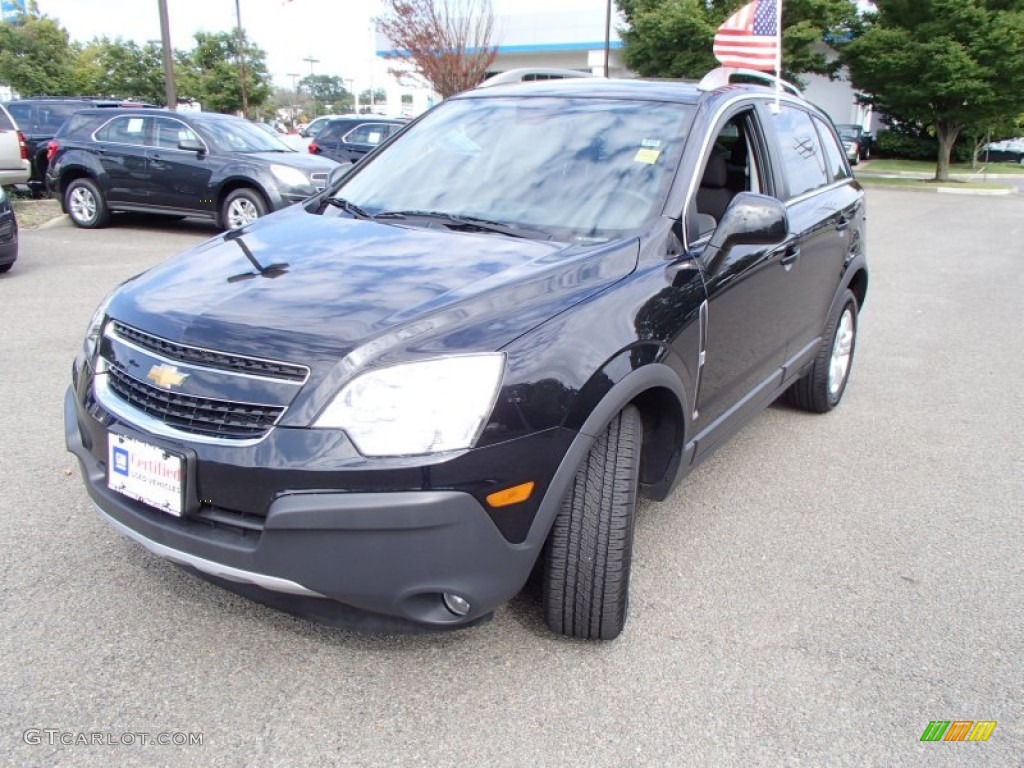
463 222
349 207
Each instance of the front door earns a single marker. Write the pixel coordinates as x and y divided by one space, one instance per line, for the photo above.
181 178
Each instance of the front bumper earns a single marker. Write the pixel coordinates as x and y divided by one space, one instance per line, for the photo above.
390 552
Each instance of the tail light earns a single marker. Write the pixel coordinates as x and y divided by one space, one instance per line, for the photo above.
51 150
23 145
313 148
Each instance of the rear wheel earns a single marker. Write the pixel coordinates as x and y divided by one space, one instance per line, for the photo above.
86 205
589 552
822 387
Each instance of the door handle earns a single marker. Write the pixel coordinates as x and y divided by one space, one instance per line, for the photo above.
843 222
791 254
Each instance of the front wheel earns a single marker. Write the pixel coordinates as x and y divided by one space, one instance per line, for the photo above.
822 387
589 551
241 207
85 204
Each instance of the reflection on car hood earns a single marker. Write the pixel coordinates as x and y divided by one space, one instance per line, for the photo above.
313 289
302 160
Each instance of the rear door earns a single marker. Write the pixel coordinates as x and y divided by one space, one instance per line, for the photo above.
364 139
821 202
121 149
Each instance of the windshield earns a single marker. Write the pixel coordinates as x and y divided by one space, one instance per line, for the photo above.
581 169
848 132
242 136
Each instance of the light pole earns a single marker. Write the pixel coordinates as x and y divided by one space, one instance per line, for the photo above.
241 59
165 42
355 97
311 61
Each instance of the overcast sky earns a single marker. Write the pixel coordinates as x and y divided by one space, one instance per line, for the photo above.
338 32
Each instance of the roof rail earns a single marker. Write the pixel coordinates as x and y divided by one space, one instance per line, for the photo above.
723 76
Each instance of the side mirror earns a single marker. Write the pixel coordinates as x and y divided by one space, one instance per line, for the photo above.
192 145
750 219
338 172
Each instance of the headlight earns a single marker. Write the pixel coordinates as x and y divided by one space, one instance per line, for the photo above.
293 177
95 329
416 408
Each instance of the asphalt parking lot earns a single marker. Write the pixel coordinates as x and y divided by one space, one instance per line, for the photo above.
815 594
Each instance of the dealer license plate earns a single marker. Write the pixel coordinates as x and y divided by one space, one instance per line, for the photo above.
145 473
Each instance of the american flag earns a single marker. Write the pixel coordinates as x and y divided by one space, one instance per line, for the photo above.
750 37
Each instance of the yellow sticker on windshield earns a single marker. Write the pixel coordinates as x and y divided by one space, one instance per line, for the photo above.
646 155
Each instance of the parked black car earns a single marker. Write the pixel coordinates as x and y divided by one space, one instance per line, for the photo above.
856 141
185 164
474 351
39 120
349 139
8 234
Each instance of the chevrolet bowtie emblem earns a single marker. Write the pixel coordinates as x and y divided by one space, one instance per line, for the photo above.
166 376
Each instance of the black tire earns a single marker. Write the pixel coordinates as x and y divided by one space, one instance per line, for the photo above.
85 204
6 267
589 552
818 390
246 200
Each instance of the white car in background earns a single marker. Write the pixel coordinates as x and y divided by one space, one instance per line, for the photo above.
14 164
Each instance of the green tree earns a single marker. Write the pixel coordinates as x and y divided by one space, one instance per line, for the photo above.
380 96
36 57
326 89
674 38
210 73
120 69
947 65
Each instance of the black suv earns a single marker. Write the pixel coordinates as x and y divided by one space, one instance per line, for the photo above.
470 355
348 139
39 120
176 163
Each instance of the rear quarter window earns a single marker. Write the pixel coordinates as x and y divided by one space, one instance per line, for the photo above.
22 114
6 124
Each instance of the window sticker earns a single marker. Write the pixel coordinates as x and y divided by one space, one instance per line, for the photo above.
651 143
646 155
374 138
135 125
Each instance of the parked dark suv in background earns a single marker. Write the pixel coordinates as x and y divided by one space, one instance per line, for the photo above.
348 139
176 163
468 356
39 120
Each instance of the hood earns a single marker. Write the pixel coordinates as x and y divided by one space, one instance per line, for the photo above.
301 160
324 290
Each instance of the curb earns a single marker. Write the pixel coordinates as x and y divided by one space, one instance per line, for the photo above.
55 222
981 192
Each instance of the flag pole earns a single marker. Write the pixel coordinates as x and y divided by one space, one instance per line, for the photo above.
778 55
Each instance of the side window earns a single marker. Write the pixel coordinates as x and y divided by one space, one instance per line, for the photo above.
370 133
801 150
834 155
732 166
167 133
126 129
328 133
22 114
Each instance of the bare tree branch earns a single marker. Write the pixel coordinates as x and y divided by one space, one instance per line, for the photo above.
448 43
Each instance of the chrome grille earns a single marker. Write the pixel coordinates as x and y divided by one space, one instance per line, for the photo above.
197 415
208 358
